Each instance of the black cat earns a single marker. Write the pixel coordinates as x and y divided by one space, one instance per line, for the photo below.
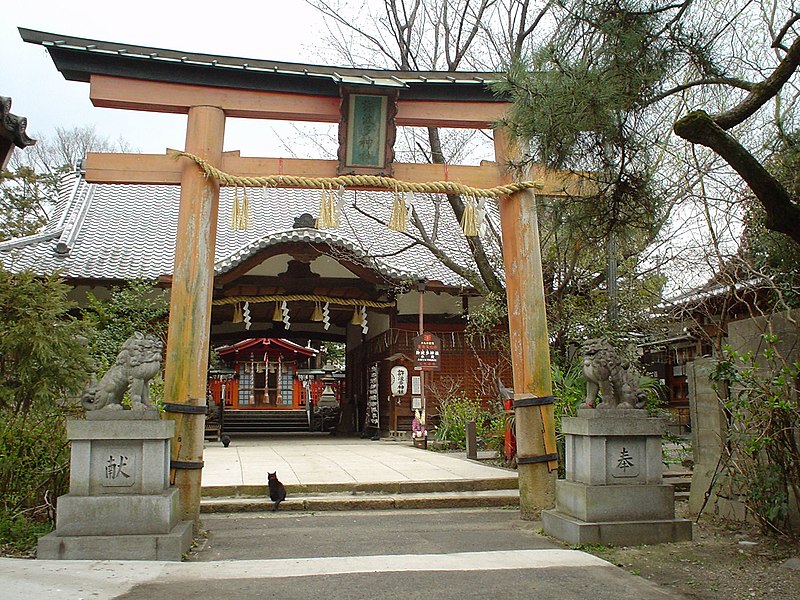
277 491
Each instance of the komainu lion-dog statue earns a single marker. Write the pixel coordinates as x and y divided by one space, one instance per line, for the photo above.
608 373
137 363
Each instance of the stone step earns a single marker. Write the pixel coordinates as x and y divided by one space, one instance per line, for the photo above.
377 487
265 421
365 501
680 480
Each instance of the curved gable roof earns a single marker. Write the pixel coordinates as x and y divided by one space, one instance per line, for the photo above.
123 232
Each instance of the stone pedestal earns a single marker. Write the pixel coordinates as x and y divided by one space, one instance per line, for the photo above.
120 505
613 493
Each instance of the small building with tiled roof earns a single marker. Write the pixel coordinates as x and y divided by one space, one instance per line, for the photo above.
102 235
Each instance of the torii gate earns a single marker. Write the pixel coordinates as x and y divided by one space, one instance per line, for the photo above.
210 88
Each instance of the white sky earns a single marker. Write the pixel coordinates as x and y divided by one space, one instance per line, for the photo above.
285 30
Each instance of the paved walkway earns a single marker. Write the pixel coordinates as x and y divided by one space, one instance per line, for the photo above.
388 554
316 459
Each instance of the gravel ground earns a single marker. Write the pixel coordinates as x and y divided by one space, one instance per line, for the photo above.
725 560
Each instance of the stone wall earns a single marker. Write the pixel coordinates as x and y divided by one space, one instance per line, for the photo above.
708 419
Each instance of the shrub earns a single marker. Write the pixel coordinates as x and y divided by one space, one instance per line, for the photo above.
454 414
759 394
44 362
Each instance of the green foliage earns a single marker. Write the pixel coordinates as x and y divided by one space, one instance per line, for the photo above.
34 462
335 353
45 361
771 256
25 199
759 393
19 533
491 313
43 364
139 306
454 414
43 358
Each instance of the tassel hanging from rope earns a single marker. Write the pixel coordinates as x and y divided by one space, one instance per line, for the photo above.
237 313
240 210
328 210
469 222
398 221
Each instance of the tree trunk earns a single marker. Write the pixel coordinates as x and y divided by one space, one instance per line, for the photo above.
485 269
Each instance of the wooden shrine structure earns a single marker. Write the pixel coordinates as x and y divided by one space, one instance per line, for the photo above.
367 104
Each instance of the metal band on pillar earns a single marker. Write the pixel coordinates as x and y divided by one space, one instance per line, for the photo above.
529 460
522 400
191 409
190 465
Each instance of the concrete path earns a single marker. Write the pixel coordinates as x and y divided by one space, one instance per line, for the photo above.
443 554
392 555
325 459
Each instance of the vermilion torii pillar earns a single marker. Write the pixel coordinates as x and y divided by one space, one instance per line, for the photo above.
537 461
186 370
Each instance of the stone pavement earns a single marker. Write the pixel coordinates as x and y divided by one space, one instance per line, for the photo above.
466 553
303 459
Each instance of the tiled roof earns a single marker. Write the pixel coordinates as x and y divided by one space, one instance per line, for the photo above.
114 231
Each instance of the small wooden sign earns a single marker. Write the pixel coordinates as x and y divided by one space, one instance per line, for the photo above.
367 132
427 352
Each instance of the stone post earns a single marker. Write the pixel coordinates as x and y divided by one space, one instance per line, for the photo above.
613 492
120 505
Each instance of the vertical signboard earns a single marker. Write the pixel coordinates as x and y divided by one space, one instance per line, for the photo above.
373 417
427 352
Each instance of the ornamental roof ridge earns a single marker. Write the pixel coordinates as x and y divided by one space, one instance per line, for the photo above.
14 126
